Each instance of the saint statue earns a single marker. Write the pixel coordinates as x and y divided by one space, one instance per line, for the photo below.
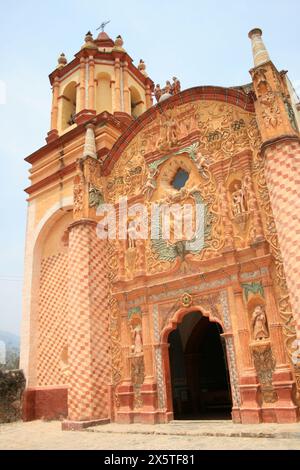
176 87
137 347
150 184
157 92
168 87
238 200
259 323
131 236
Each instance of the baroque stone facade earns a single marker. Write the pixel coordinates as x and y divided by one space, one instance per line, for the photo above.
99 310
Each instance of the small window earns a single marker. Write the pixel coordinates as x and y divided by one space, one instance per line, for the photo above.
180 179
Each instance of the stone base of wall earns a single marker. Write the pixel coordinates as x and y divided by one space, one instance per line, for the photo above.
12 384
46 403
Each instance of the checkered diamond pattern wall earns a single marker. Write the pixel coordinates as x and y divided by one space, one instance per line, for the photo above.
282 169
89 342
52 322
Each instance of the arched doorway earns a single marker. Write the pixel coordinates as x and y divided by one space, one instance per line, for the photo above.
198 368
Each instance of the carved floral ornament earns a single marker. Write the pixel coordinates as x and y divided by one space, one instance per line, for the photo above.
221 130
131 175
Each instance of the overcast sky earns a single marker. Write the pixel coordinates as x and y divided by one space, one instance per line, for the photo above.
201 42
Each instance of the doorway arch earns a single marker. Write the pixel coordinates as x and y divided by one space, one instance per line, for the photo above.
190 335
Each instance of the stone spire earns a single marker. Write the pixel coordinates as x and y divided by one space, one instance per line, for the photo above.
89 149
260 53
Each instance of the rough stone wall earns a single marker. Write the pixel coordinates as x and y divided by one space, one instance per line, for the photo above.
12 385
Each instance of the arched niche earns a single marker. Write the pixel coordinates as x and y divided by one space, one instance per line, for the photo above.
59 214
103 93
136 102
68 105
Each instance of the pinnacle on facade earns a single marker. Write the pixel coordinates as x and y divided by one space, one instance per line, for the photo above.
89 149
260 53
61 61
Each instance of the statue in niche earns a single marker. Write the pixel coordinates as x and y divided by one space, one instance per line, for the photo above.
150 184
137 346
238 200
131 236
259 323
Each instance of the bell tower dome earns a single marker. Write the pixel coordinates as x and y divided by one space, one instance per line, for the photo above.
100 78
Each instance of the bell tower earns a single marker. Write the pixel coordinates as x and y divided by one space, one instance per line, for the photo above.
65 338
278 123
101 77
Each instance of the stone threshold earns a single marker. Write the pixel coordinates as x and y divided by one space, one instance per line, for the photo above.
161 430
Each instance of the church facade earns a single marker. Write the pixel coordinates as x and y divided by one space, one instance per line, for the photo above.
126 320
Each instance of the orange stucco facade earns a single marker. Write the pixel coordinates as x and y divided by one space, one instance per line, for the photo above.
98 313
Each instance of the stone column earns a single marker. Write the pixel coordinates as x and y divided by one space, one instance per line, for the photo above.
282 171
53 134
82 80
248 384
113 96
149 101
284 408
54 114
88 338
89 149
243 330
259 51
149 387
92 106
126 92
125 388
281 151
117 85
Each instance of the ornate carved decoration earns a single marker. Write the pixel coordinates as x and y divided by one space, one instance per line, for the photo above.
220 128
186 300
95 197
264 363
136 356
254 287
78 194
137 378
270 110
114 324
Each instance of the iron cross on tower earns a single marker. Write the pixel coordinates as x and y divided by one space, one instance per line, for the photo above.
102 25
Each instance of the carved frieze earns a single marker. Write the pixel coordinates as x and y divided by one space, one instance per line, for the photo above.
264 363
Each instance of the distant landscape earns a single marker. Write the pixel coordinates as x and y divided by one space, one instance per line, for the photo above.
9 351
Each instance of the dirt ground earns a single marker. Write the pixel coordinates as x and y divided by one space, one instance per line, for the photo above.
188 436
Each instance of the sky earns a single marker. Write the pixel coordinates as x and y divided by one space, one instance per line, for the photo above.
202 42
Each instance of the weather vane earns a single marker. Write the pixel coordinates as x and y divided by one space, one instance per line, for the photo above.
102 25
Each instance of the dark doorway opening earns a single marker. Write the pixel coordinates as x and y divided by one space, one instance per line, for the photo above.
199 372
